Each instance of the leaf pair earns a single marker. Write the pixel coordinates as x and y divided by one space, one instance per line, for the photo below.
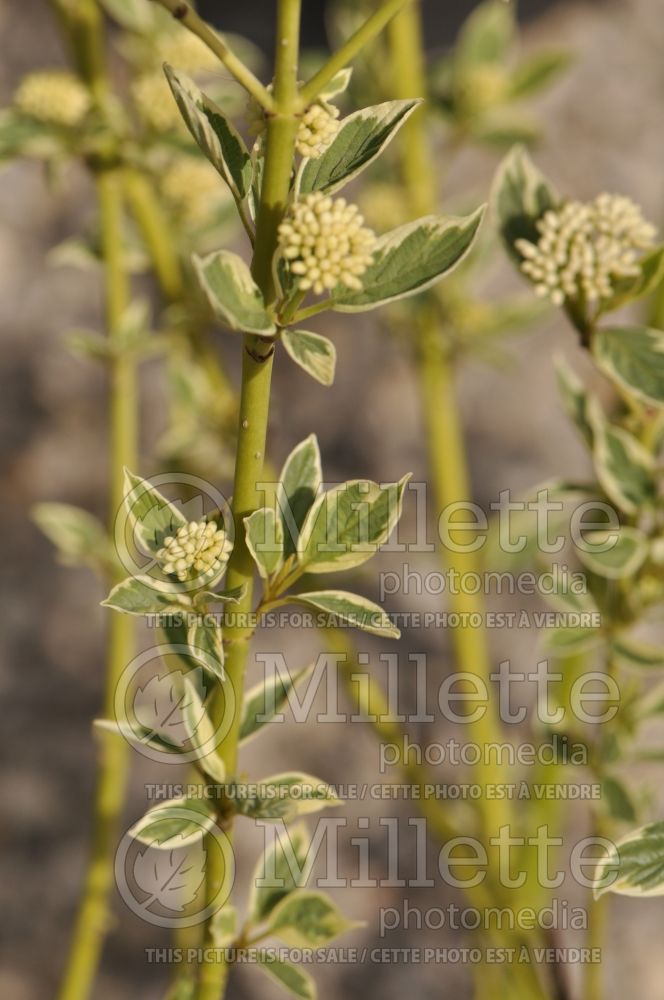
311 531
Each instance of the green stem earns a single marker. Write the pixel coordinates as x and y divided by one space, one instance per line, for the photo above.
188 17
444 432
156 233
82 26
253 422
93 915
365 34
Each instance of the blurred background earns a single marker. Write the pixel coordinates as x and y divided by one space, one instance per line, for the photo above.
603 130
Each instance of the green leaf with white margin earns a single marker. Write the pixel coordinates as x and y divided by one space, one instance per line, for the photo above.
617 800
216 136
223 927
347 525
152 517
293 979
520 195
287 796
486 35
566 641
265 699
299 483
137 735
622 558
233 294
311 351
206 646
265 540
624 467
308 919
634 358
283 867
201 732
410 259
142 595
635 866
350 609
175 823
576 399
629 652
337 85
79 538
536 72
361 138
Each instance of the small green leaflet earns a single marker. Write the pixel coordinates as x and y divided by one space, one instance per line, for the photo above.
346 526
635 867
233 294
206 646
294 980
286 796
141 595
265 540
283 867
537 72
265 699
137 735
152 517
307 919
576 399
630 652
624 467
616 553
201 733
634 358
617 800
520 196
176 823
486 35
312 352
80 538
299 482
409 259
213 132
350 609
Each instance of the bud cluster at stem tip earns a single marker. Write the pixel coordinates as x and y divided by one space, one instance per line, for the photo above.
54 97
197 548
325 243
583 249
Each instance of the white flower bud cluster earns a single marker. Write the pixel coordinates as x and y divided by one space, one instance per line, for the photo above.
198 548
325 243
584 248
317 128
154 102
54 97
193 188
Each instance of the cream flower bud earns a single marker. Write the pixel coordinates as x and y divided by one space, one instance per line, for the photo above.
584 249
317 128
199 549
325 243
154 102
54 97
